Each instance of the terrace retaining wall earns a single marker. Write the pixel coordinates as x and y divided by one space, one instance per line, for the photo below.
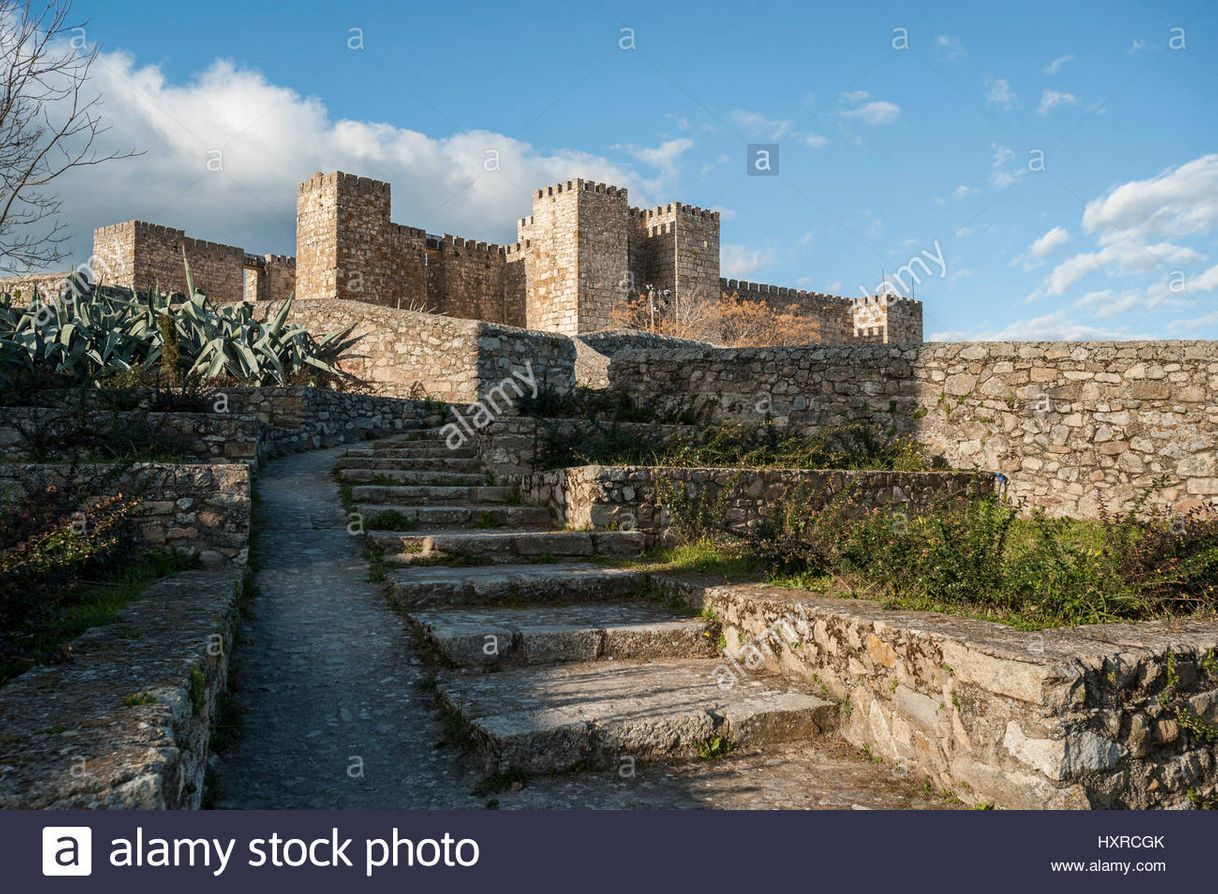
1104 716
126 724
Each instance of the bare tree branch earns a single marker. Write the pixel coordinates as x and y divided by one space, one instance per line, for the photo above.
49 124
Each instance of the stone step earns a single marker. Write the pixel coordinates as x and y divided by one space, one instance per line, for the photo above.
509 545
413 494
413 453
438 586
508 637
408 443
410 477
430 464
556 718
489 517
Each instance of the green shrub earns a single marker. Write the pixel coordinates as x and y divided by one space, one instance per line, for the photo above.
85 338
983 557
735 445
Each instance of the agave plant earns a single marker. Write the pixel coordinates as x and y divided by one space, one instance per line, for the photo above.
101 331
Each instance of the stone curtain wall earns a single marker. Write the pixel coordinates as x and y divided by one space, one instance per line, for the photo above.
1070 424
449 359
136 705
199 437
22 287
625 496
1061 719
137 255
200 510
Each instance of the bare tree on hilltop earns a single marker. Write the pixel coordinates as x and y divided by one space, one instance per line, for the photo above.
49 124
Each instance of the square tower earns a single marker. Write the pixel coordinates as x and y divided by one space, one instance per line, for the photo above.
346 246
681 250
577 266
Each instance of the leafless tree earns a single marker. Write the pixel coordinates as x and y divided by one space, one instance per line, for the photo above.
49 124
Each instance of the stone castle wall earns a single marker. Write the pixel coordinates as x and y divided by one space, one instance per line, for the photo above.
139 255
581 254
1074 426
411 354
22 287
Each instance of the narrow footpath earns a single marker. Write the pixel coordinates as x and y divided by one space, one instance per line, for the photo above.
336 712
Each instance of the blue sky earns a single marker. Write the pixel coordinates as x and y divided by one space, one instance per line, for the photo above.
886 153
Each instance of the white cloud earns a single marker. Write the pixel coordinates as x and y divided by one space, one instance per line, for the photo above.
964 232
1118 258
1057 326
875 113
1055 66
741 261
755 124
1051 99
963 192
855 96
1054 239
272 137
1136 46
952 47
1181 201
999 93
1002 174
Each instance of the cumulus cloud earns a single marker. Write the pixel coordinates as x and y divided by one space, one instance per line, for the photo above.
999 93
1051 99
1002 173
951 46
739 261
1118 258
1055 66
873 112
1180 201
1056 326
760 126
1050 241
267 138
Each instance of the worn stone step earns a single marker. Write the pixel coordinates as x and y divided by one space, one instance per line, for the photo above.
489 517
429 464
437 586
413 453
507 637
413 494
411 477
510 545
408 443
555 718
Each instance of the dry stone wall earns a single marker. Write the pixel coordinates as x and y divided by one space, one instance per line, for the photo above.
405 353
1087 717
1072 425
135 706
626 496
201 510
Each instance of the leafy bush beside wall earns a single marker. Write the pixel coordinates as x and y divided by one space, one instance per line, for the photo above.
85 338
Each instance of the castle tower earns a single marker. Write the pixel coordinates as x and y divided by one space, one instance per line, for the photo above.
681 250
346 246
888 319
577 267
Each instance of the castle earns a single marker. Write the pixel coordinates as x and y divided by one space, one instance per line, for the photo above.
580 255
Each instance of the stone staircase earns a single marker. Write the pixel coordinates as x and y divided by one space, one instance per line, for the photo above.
549 659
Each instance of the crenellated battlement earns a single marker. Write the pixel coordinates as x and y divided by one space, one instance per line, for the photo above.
581 254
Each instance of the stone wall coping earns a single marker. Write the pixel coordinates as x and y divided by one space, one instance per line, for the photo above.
137 756
1068 650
